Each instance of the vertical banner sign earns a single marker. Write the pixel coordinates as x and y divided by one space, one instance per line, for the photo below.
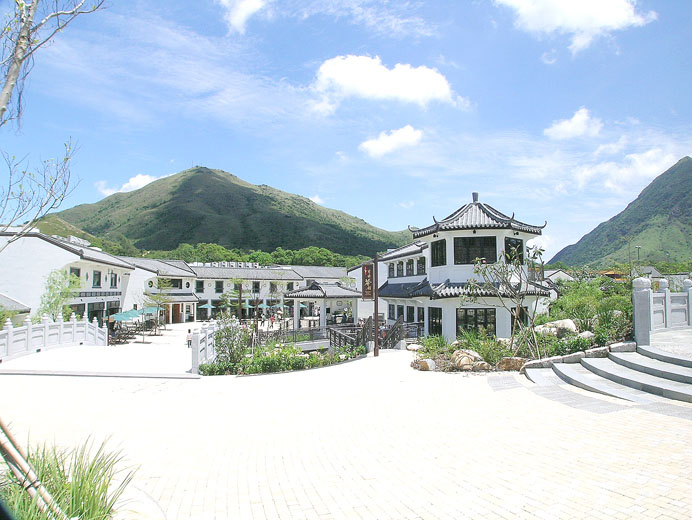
368 283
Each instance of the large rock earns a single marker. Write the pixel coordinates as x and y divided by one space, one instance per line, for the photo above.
414 347
559 328
511 363
464 359
481 366
427 365
587 334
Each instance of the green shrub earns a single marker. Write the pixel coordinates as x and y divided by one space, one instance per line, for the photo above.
487 346
435 346
83 483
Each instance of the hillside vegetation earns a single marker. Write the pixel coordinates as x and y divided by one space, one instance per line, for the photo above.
659 220
201 205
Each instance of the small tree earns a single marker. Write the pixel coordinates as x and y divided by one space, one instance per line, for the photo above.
231 341
60 287
159 298
507 281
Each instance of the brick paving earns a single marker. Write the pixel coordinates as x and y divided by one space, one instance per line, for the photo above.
372 439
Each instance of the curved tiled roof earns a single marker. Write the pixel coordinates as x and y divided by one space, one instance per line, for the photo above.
324 290
476 215
409 249
450 290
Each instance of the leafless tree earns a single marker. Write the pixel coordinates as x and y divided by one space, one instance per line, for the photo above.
29 195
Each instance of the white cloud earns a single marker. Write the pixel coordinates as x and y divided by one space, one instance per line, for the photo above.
388 142
549 57
134 183
611 148
317 199
406 204
583 20
367 78
581 124
238 12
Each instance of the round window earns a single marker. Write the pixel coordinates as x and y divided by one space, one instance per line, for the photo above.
151 284
187 285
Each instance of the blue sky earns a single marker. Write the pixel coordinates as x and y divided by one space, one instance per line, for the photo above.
390 111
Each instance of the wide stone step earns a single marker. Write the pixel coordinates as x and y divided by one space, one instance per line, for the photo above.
543 376
577 375
651 366
620 374
662 355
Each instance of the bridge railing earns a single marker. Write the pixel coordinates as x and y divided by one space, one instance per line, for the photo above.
659 310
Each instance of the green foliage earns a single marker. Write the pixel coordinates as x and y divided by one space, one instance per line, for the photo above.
232 342
490 349
84 483
194 207
59 288
435 346
5 314
658 221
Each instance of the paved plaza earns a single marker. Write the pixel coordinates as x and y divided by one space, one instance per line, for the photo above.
370 439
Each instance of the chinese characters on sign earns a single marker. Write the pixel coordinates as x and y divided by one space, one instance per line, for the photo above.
367 282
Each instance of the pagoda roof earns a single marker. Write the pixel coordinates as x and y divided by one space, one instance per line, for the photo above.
477 215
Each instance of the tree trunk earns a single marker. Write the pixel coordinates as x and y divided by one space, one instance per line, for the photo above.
18 56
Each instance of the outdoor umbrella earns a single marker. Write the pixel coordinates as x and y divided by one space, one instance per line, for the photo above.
248 306
207 306
263 306
149 310
303 306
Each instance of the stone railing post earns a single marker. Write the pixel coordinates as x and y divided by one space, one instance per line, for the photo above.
8 327
94 330
29 333
73 324
687 289
60 328
641 300
195 352
45 321
664 287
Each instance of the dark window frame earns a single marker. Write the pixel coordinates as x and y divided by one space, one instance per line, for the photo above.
391 311
199 286
438 253
218 287
76 271
400 269
400 310
409 267
114 280
94 278
421 314
434 321
467 249
420 265
256 287
475 318
390 270
410 314
510 244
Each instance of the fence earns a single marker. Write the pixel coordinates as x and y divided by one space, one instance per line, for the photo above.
35 337
660 310
203 346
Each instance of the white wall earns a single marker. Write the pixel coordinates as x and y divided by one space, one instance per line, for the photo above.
26 264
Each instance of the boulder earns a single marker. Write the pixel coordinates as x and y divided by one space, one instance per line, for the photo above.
468 353
455 344
427 365
626 346
573 358
560 328
414 347
511 363
587 334
596 352
481 366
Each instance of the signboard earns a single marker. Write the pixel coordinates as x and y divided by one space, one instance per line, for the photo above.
368 282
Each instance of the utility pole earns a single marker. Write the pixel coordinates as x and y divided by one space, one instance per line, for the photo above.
638 248
375 292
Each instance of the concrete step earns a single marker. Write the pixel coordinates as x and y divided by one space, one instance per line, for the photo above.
662 355
620 374
652 366
577 375
543 376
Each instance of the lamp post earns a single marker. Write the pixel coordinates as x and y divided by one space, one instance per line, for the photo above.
375 292
638 248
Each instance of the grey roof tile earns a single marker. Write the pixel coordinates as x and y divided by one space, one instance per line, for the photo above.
323 290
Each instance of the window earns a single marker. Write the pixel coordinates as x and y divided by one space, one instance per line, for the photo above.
391 312
476 319
523 315
438 253
289 286
514 249
400 311
400 269
199 286
409 267
114 281
176 283
218 286
272 287
434 321
255 287
76 271
421 314
410 314
421 265
467 249
391 270
96 279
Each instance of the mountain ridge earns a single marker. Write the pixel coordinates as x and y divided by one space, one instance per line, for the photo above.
204 205
659 221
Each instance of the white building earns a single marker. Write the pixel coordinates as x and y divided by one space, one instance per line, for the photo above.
427 280
28 261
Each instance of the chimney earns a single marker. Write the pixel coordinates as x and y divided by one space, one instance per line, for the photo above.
475 196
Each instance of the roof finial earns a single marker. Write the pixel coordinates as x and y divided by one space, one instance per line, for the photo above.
475 196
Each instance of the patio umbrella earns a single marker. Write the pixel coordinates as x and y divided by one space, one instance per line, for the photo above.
149 310
263 306
303 306
248 306
120 316
206 306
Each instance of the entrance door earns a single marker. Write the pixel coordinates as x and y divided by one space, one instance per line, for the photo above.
176 313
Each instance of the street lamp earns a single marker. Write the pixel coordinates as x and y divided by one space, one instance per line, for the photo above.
638 248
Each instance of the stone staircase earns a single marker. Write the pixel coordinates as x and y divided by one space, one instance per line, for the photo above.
644 375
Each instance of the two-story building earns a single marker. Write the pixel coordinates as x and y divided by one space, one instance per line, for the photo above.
28 261
427 280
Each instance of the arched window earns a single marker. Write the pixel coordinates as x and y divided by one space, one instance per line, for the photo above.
400 269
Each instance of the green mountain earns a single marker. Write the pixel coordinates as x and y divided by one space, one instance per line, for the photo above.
659 220
213 206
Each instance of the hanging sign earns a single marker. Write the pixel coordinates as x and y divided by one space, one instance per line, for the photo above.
368 282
